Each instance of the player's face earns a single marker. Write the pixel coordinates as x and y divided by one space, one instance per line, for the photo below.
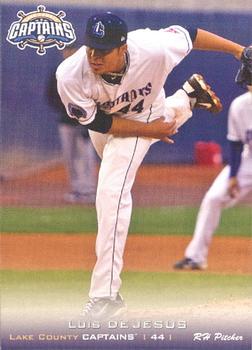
105 61
249 88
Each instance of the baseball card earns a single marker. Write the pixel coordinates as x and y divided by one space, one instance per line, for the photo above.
126 175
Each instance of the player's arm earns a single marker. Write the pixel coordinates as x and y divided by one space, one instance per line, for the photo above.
236 148
110 124
157 129
205 40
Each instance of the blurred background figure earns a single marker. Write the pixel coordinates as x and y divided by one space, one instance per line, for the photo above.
232 184
78 152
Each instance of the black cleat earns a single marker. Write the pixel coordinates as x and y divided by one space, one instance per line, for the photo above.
188 264
201 94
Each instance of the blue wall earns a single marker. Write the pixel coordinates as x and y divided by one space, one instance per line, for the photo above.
28 121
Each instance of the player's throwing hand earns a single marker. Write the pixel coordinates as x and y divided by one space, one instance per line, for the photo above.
161 129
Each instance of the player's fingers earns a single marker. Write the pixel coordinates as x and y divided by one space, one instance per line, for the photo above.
167 140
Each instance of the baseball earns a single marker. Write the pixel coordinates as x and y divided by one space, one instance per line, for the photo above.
41 38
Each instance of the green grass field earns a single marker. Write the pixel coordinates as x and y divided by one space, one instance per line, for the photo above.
173 289
37 298
164 220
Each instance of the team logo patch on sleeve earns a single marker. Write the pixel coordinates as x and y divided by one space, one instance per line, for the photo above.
77 112
41 29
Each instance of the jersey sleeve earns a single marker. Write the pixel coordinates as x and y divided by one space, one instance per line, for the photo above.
77 106
233 123
177 44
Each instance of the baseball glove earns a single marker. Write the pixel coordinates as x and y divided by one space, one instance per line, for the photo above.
244 74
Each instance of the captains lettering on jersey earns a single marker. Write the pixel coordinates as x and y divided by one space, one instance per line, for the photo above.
128 96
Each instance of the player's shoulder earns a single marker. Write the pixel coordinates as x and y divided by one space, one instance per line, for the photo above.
150 34
153 40
141 37
240 107
241 100
71 66
139 33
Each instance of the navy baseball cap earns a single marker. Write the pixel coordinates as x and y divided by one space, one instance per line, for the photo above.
105 31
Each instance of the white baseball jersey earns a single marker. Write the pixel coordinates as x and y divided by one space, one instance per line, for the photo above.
240 122
152 55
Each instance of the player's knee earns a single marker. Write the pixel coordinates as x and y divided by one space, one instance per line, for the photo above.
106 192
213 199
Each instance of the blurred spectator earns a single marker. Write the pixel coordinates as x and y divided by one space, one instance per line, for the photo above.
78 151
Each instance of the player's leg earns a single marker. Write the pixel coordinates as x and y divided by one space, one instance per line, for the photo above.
84 163
209 216
195 93
80 162
121 158
178 107
208 219
67 135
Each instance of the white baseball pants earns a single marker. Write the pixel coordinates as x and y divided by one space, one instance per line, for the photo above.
121 158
